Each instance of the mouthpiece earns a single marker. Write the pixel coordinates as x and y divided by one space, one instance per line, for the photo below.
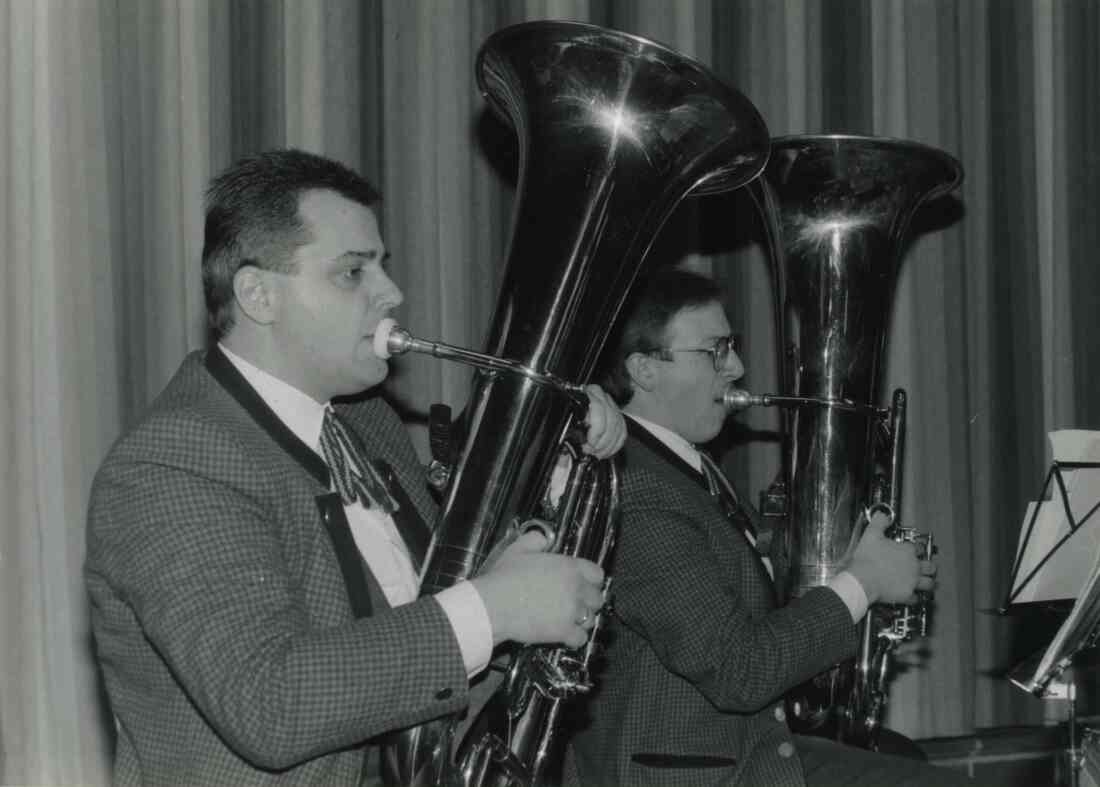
737 399
390 340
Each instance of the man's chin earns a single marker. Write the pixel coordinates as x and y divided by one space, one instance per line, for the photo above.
364 380
375 377
714 428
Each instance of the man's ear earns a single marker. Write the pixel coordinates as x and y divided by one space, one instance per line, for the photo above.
256 298
642 370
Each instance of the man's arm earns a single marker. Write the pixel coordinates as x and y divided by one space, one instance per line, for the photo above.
672 590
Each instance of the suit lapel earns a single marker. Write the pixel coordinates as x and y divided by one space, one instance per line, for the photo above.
676 463
355 574
236 386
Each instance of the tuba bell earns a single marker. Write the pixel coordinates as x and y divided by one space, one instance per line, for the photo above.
614 131
836 212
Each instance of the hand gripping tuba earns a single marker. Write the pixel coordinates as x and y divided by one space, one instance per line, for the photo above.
614 131
836 213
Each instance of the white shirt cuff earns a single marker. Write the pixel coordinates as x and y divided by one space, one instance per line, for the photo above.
851 593
470 620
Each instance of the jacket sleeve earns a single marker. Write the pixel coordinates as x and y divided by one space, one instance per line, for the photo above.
202 559
703 613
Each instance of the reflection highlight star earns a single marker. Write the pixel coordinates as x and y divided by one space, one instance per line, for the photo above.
617 120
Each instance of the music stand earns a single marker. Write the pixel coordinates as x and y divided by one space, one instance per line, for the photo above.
1058 552
1038 562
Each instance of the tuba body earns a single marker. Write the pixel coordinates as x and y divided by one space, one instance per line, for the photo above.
614 131
837 211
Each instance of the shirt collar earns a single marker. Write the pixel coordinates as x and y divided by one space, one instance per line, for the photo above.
300 412
674 442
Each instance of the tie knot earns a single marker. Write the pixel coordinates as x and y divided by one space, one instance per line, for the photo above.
355 478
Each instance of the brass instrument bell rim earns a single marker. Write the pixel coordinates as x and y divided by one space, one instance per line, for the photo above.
568 24
756 147
950 162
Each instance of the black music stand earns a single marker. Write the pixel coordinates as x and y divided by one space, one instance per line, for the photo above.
1064 560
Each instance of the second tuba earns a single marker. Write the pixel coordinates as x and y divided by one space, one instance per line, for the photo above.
614 131
837 211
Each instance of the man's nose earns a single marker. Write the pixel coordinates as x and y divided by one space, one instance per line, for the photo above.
388 296
733 368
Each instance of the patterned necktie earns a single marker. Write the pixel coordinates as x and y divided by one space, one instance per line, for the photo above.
727 498
354 478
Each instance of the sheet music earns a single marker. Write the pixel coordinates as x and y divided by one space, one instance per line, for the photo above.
1075 445
1068 569
1082 484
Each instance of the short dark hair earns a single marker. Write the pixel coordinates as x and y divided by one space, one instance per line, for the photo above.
252 218
652 304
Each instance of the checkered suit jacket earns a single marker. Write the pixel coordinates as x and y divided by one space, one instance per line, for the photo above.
699 653
221 617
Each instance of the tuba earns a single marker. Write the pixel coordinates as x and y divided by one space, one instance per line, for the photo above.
836 213
614 131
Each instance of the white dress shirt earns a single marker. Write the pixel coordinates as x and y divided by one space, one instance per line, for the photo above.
377 537
844 583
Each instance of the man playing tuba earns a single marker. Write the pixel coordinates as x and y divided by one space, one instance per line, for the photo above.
700 652
254 539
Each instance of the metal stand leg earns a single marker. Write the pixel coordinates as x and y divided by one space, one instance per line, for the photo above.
1074 755
1064 687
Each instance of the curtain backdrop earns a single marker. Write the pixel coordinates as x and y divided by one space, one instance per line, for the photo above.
116 112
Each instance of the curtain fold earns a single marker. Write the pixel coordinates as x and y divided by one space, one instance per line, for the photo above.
173 132
61 392
118 111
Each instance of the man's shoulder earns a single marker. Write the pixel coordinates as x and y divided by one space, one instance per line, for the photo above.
178 433
191 409
641 453
656 491
642 459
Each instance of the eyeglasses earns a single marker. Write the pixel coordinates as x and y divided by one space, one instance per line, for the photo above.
720 352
